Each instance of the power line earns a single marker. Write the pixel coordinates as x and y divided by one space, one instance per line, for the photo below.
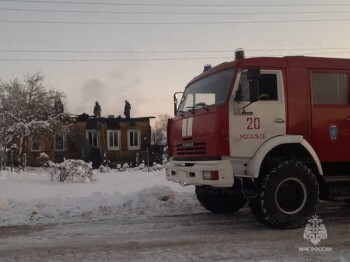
173 13
327 53
297 49
108 60
151 59
306 54
174 5
165 52
173 23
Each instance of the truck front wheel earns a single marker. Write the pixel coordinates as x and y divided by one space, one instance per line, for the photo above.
221 200
288 196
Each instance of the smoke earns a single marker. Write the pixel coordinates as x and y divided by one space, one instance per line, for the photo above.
110 93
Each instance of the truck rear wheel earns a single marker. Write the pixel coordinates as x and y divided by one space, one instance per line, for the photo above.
221 200
288 196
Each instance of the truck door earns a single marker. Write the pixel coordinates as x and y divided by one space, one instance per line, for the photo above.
331 115
252 124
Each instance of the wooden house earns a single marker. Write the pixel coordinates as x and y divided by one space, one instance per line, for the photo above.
95 139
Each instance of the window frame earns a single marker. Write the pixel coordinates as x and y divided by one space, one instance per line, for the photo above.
331 72
279 85
93 131
186 104
64 143
118 133
40 143
138 147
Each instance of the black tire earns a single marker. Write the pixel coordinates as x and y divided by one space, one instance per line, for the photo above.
221 200
288 195
255 209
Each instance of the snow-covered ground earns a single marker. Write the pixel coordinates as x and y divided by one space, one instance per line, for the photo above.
31 197
139 216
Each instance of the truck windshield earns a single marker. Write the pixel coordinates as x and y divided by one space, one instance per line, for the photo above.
211 90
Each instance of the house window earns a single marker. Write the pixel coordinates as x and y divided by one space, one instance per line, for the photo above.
134 137
113 139
330 88
36 144
93 136
59 142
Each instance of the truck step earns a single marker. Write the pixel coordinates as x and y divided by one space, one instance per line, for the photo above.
337 188
333 179
339 198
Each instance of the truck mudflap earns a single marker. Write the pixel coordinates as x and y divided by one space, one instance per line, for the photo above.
218 173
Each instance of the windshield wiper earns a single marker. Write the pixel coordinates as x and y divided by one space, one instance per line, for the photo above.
198 105
191 109
202 105
181 113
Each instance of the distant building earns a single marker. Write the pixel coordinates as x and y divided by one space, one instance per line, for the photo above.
118 139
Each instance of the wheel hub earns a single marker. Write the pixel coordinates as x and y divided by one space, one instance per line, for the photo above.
291 195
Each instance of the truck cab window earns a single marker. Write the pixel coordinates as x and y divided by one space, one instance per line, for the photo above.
208 91
267 87
330 88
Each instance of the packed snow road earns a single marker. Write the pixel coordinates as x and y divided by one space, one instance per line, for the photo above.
192 236
139 216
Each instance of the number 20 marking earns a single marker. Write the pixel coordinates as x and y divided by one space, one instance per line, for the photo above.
253 123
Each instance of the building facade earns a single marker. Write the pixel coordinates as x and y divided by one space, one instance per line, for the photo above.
95 139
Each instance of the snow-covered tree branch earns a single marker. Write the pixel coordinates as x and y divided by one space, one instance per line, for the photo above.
159 131
29 108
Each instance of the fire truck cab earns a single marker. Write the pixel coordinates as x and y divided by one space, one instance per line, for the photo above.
271 131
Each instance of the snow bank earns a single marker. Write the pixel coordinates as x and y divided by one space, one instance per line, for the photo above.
3 205
31 198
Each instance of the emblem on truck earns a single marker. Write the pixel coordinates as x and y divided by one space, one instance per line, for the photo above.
333 132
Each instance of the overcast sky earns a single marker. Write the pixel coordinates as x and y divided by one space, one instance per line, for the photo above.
153 55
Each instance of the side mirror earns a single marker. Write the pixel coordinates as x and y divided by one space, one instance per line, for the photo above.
176 102
253 76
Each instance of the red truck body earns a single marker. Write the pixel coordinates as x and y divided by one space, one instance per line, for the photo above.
241 122
303 118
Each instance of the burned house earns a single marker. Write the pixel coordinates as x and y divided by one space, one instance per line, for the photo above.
95 138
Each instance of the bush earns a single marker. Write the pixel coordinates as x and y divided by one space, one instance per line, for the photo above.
104 167
72 170
43 159
156 166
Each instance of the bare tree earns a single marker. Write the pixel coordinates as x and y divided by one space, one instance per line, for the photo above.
159 131
29 108
6 136
6 128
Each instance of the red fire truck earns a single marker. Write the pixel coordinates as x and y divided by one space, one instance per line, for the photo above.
274 132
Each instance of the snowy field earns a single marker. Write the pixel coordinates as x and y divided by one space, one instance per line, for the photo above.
31 197
139 216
